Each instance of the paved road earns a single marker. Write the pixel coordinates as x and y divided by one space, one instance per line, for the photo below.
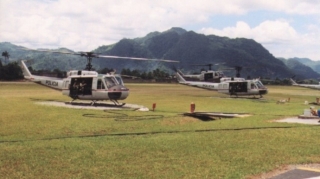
299 173
314 121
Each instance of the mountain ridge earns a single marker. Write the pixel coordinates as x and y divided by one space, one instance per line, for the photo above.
188 47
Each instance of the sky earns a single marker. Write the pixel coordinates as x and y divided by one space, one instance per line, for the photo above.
286 28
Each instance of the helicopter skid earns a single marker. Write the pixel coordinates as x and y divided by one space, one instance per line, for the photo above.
95 103
87 105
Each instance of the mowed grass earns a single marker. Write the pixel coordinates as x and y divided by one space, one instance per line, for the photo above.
38 141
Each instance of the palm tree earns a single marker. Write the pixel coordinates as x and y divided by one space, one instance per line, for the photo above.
6 56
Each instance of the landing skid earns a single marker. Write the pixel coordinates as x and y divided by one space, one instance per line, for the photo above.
95 103
235 95
245 97
116 103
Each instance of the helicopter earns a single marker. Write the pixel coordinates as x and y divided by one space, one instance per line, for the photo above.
233 87
86 84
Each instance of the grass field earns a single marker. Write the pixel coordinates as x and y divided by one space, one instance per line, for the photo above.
38 141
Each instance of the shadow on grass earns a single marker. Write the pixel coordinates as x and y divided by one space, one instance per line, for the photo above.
158 132
118 116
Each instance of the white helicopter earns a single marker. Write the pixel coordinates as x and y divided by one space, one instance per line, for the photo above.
236 87
86 84
305 85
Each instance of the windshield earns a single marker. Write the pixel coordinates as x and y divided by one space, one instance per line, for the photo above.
119 79
110 81
220 73
259 84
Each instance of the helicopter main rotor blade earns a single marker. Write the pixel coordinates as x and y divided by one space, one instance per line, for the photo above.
96 55
135 58
209 64
50 51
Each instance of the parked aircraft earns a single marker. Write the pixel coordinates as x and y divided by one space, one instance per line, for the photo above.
239 87
87 84
305 85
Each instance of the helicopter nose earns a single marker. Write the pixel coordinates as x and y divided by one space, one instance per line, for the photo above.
264 91
118 92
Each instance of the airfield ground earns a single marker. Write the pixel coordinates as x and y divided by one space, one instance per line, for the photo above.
41 141
110 106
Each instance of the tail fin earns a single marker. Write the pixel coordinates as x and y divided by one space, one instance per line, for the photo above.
293 82
25 70
180 78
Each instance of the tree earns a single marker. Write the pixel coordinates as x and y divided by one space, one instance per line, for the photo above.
10 72
6 56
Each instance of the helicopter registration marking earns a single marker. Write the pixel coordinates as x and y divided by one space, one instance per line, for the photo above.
51 83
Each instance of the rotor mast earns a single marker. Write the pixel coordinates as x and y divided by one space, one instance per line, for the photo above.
89 56
89 66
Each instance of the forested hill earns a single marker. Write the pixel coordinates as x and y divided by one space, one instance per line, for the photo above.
192 49
315 65
301 68
187 47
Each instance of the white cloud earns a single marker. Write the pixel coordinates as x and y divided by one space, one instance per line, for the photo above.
278 31
85 24
277 36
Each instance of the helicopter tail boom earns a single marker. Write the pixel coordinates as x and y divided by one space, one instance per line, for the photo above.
55 83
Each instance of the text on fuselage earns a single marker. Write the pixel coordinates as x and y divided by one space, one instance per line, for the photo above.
51 83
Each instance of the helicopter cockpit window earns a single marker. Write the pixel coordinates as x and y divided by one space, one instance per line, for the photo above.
253 86
119 79
220 73
259 84
110 81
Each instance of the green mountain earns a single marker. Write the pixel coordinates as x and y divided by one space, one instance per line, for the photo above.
44 60
302 71
315 65
187 47
192 49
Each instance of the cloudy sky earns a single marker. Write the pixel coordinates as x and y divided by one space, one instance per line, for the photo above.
287 28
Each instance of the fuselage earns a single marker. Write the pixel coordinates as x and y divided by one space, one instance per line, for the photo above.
89 85
240 88
204 85
231 86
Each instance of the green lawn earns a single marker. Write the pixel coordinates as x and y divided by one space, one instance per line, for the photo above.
38 141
